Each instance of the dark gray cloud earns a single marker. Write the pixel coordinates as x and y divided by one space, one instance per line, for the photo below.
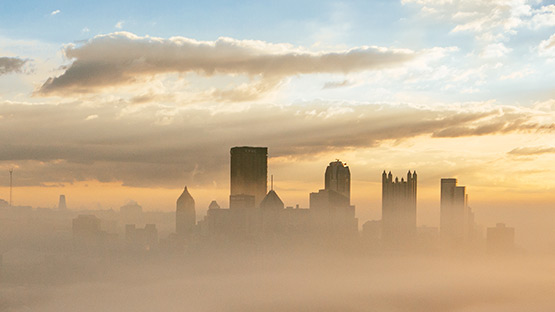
529 151
11 65
124 58
154 145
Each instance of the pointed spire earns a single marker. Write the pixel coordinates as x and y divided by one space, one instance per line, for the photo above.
186 196
272 182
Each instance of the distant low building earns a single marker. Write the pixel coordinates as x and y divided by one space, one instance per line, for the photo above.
372 232
88 235
141 239
62 203
500 239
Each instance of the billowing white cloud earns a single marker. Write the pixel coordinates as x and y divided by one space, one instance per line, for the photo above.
490 20
495 50
543 17
124 58
55 12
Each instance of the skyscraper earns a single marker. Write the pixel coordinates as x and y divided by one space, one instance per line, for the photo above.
398 209
331 211
453 213
185 215
249 172
338 178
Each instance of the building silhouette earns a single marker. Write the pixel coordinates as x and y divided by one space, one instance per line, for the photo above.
62 203
398 209
88 234
271 210
338 178
185 215
500 239
249 172
329 220
372 232
332 215
454 214
131 213
141 239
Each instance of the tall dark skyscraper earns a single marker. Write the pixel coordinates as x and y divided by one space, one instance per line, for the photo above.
398 209
185 215
249 172
338 179
453 212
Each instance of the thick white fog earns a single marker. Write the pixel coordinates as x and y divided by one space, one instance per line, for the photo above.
289 282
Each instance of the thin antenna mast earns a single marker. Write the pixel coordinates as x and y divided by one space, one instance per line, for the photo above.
272 183
11 185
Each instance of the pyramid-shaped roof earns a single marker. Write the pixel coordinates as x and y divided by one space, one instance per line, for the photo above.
271 201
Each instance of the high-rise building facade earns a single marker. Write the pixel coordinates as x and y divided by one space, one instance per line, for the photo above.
249 172
398 209
185 215
338 178
331 212
453 213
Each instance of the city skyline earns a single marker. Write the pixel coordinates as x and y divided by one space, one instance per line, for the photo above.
330 155
432 217
249 176
463 94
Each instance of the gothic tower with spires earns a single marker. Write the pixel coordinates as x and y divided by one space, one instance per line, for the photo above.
398 209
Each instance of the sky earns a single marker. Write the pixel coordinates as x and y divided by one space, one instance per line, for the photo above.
109 102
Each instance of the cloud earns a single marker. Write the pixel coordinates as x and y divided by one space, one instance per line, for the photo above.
495 50
529 151
491 20
547 47
124 58
157 145
518 74
55 12
11 65
119 25
543 17
337 84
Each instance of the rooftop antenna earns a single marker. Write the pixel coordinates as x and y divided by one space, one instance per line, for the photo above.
11 185
272 182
